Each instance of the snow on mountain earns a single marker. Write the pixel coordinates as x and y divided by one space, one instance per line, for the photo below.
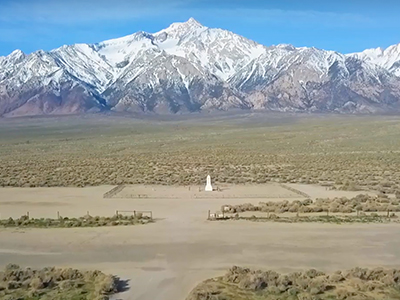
14 58
119 52
303 65
172 83
388 58
83 62
190 67
222 52
38 84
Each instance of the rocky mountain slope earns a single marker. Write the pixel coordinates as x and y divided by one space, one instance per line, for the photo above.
188 68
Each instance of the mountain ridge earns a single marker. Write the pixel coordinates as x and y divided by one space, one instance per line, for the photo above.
189 67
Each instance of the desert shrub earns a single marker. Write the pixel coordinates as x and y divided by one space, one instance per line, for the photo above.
56 284
360 203
306 209
317 286
361 218
357 283
336 277
350 153
306 202
13 285
253 282
294 208
343 294
312 273
36 284
86 221
345 209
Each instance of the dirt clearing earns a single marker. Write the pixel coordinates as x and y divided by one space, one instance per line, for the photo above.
167 259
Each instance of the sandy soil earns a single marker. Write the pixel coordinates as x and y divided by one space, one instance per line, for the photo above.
273 190
165 260
316 191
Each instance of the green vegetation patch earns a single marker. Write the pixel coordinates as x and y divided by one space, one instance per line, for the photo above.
86 221
245 284
55 284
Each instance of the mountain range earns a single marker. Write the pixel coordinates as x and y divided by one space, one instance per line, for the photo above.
189 67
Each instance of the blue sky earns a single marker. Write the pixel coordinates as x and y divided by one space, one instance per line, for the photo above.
341 25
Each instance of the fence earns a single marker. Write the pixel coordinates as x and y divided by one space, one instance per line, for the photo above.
111 193
135 213
215 216
295 191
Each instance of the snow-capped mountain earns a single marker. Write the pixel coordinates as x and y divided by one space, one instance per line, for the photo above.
388 58
189 67
221 52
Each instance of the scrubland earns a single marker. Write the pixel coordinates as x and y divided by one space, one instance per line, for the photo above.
360 203
55 284
359 209
358 283
65 222
340 152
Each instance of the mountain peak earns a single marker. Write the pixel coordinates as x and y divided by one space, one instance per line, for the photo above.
180 29
286 47
193 21
17 53
393 49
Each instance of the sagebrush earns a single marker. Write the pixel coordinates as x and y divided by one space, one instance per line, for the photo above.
245 284
350 153
85 221
52 283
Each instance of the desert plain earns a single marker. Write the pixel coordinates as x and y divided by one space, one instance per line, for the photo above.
168 258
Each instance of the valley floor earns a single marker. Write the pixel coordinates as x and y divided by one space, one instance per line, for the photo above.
167 259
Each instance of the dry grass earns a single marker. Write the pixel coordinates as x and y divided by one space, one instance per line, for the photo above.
351 153
55 284
245 284
86 221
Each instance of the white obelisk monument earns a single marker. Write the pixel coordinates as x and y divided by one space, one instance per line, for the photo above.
208 184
